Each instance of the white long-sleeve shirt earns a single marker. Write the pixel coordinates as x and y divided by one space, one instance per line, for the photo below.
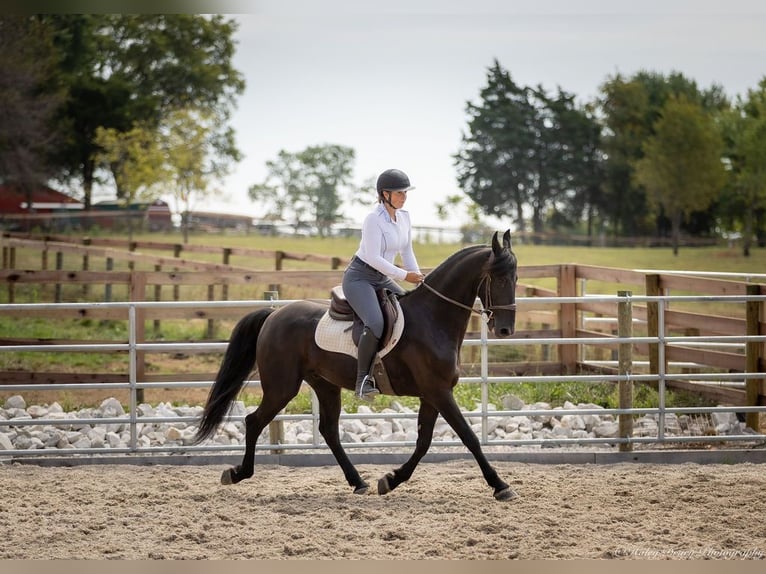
384 238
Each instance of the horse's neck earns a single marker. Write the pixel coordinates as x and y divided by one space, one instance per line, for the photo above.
459 280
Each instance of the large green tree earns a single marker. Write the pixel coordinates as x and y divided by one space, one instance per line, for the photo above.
629 108
744 202
527 152
126 69
681 168
136 163
193 150
305 187
28 101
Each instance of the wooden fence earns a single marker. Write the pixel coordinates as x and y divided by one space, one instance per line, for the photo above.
581 319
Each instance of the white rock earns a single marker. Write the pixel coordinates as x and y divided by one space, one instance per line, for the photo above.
145 410
173 434
606 429
513 403
726 419
5 442
37 412
354 426
55 408
304 438
574 422
82 442
15 402
111 407
113 440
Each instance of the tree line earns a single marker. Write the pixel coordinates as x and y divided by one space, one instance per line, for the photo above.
139 101
654 154
143 102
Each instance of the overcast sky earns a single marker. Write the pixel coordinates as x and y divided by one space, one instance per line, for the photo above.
391 79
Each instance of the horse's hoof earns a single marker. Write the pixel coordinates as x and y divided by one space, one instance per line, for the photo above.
226 477
506 494
383 486
362 489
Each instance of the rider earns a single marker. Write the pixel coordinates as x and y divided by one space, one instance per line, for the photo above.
386 232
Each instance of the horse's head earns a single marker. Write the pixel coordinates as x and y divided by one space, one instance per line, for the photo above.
498 294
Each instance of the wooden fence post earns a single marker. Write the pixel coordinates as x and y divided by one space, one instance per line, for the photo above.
86 265
157 297
210 322
754 311
225 286
177 248
132 247
59 266
278 257
625 362
567 287
108 286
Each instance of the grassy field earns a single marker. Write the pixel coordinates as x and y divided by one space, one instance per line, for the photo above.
717 259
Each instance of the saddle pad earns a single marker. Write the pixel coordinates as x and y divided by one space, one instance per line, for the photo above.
335 336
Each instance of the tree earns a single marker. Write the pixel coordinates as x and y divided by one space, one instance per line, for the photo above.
197 157
745 135
527 151
629 109
136 163
29 102
304 187
495 162
681 169
126 69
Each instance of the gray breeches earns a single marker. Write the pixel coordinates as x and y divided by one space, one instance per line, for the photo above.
360 282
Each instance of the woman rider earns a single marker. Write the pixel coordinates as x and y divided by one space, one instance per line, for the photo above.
386 232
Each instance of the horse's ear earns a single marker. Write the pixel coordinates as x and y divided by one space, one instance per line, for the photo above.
507 239
495 244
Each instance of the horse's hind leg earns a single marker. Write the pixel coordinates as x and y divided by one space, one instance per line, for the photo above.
329 414
275 398
426 420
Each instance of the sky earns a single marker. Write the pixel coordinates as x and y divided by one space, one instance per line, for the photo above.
392 79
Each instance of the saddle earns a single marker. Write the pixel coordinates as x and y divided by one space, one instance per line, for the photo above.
341 310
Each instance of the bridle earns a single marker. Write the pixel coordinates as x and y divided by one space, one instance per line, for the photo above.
488 311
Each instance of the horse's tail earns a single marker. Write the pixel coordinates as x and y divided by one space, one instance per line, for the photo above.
238 362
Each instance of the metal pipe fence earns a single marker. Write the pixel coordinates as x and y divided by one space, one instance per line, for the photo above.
484 413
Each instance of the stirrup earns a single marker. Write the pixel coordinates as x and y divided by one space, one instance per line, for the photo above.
367 389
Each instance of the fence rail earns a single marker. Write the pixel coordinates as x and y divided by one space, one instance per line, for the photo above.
626 376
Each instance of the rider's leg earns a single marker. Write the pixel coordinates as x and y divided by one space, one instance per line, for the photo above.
368 346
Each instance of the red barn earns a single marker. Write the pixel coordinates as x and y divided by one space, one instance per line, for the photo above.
14 206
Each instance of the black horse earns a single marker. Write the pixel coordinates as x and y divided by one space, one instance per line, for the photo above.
423 364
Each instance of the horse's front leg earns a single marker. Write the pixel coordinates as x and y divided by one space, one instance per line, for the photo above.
449 409
426 420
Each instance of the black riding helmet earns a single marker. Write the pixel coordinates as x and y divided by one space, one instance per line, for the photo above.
393 180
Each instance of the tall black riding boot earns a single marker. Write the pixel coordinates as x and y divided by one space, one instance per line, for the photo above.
365 384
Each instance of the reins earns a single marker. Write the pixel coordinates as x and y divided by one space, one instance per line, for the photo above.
487 311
